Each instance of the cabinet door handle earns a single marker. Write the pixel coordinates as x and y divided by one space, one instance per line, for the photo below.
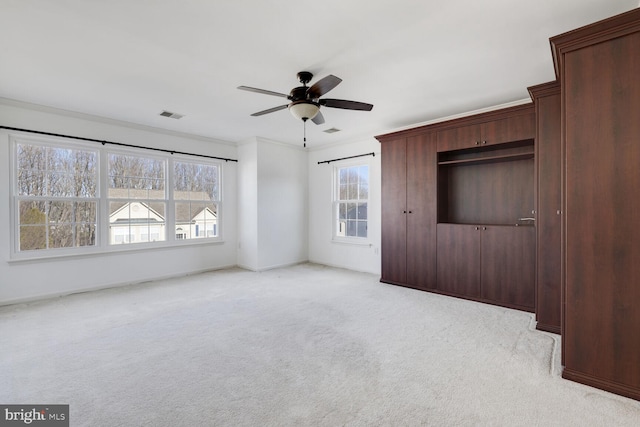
484 228
477 142
404 211
484 142
477 228
410 211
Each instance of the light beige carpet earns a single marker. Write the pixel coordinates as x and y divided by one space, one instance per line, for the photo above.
301 346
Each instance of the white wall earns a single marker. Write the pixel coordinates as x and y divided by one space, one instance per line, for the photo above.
272 205
248 205
322 248
26 280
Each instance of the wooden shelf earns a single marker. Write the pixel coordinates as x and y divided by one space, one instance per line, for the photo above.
491 159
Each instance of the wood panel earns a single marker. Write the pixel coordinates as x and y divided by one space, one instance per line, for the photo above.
459 137
421 211
394 223
491 193
548 207
458 269
508 265
602 145
510 129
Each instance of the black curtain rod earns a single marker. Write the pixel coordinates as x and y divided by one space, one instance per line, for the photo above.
345 158
103 142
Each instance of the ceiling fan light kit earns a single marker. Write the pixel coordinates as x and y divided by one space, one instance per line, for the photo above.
305 101
304 110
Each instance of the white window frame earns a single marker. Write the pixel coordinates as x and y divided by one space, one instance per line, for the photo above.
218 202
14 204
336 201
102 215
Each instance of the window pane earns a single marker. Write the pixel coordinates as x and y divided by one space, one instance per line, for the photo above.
342 211
85 235
351 228
131 221
343 192
363 182
85 166
61 236
85 212
32 212
195 181
344 176
33 237
61 185
136 177
31 157
31 183
60 212
362 211
195 220
362 229
352 210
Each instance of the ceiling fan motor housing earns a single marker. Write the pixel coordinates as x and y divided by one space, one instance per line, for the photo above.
298 93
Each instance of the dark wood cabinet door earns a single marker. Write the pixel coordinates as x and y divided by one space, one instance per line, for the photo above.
602 148
548 217
459 138
458 259
516 128
421 211
394 218
507 265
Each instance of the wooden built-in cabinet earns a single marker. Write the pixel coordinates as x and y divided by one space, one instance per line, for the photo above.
599 68
453 211
497 263
546 98
486 227
498 131
409 211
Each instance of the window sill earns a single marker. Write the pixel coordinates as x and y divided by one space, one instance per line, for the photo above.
108 251
351 242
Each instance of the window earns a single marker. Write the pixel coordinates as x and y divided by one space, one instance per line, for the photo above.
196 192
137 198
77 198
56 195
351 200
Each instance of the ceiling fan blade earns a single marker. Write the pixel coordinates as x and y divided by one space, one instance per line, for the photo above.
344 104
263 91
270 110
318 119
323 86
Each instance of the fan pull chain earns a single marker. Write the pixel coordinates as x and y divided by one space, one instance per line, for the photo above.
304 132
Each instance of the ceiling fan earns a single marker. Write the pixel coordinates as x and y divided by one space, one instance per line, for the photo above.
305 100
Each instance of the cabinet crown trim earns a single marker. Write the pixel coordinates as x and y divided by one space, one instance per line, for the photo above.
606 29
517 110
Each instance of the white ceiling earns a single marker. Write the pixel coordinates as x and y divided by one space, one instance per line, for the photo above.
415 60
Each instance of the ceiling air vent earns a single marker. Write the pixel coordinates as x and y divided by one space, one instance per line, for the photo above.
171 115
332 130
